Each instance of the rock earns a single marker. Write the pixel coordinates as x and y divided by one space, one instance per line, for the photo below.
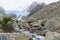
27 28
43 33
52 36
1 31
39 27
39 23
22 24
1 17
53 24
32 30
22 37
30 39
0 26
43 22
38 32
15 26
35 24
13 36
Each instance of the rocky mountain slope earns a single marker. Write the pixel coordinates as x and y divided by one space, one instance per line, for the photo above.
49 11
34 7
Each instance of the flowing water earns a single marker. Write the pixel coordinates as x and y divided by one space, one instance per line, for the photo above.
5 37
34 35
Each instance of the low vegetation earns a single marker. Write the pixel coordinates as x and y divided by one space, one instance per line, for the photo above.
7 24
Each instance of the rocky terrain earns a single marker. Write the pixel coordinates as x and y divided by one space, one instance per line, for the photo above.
42 25
45 22
34 7
13 36
49 11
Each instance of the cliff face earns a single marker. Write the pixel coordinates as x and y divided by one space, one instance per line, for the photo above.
49 11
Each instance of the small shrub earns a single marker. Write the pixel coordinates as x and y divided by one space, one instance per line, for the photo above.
17 21
7 24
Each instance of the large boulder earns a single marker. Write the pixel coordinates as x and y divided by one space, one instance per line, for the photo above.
14 36
53 24
22 37
32 30
23 25
40 23
36 24
52 36
15 26
39 27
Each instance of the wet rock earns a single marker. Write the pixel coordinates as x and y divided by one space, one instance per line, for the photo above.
38 37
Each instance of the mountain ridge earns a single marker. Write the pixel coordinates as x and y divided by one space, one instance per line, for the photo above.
49 11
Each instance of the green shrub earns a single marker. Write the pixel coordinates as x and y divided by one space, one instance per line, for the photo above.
31 20
17 21
29 23
7 24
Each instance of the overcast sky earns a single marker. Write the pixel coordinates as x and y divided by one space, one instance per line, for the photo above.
20 4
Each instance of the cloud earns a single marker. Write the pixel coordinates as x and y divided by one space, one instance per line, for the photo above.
14 4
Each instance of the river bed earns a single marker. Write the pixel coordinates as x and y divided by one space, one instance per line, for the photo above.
34 35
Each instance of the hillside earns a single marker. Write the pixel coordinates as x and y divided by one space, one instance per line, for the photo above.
49 11
34 7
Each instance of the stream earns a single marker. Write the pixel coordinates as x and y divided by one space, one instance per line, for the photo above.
34 35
